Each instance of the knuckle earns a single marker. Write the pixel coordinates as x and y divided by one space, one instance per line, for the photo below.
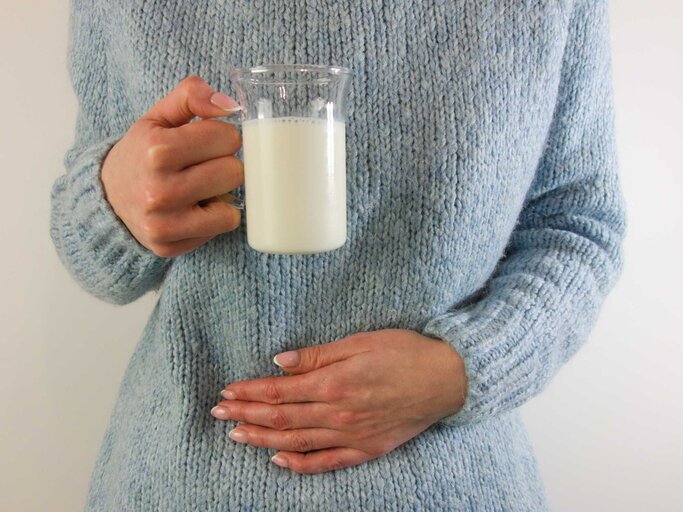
313 354
154 136
279 420
347 375
255 438
155 230
154 197
272 393
191 83
238 413
365 396
158 155
345 418
299 443
295 465
332 390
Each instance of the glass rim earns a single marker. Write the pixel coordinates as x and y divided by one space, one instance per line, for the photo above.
264 71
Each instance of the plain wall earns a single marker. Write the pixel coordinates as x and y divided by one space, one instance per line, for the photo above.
606 431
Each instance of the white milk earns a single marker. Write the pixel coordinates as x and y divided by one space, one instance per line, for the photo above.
295 184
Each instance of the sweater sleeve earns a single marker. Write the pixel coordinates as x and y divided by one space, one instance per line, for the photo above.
91 241
564 254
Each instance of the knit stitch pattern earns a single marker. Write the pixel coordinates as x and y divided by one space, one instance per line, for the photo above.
484 209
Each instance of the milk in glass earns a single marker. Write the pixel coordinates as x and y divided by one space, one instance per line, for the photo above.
295 184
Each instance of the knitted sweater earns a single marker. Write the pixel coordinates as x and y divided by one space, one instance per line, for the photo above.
484 209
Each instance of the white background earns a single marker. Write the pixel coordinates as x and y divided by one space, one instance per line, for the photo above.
607 431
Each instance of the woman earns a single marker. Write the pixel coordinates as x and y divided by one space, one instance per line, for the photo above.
485 226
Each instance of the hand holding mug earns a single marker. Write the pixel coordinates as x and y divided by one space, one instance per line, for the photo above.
168 179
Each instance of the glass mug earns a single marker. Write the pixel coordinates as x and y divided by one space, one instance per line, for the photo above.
293 145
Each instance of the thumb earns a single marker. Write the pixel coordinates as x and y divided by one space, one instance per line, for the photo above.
191 98
310 358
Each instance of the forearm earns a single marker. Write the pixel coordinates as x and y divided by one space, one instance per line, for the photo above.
92 243
536 313
565 252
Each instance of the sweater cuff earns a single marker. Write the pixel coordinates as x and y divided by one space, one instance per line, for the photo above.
498 368
533 317
92 242
467 332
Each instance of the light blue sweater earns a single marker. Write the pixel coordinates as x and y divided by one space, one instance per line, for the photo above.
483 209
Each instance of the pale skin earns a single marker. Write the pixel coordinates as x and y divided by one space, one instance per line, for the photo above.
344 402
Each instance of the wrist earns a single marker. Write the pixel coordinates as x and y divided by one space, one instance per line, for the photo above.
455 390
105 174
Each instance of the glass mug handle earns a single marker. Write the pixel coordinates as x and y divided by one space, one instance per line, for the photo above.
232 200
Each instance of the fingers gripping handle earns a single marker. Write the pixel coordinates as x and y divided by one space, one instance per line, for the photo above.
234 201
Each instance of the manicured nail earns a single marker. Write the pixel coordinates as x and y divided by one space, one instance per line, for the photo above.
279 460
223 101
287 359
220 412
228 395
238 435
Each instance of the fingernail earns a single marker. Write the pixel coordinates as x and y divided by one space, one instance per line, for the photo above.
223 101
279 460
228 395
220 412
287 359
238 435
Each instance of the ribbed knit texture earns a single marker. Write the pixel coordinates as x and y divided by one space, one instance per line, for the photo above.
483 209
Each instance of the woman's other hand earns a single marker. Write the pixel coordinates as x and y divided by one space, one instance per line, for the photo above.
349 401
